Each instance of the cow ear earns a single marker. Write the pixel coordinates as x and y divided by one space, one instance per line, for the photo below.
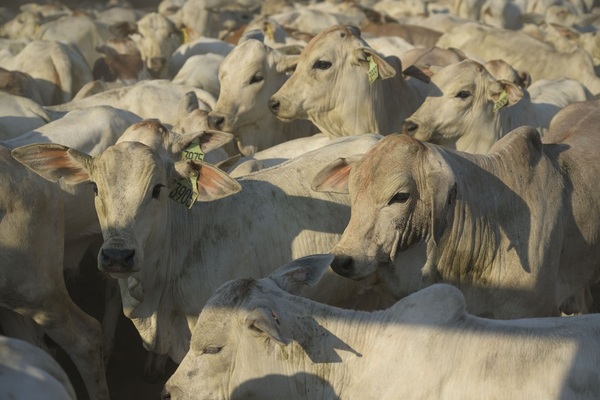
212 183
265 322
208 140
334 177
284 62
54 161
302 271
504 93
441 187
368 57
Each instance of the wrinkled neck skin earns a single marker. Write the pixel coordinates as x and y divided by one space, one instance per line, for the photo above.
269 131
388 103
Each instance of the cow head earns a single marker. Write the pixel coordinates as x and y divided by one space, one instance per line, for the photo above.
462 98
132 183
400 194
334 70
250 74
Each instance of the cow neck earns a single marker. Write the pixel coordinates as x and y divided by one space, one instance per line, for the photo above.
512 117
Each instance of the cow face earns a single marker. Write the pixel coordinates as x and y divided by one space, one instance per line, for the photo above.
248 76
462 97
398 194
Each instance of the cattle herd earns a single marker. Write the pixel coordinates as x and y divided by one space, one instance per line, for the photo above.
339 199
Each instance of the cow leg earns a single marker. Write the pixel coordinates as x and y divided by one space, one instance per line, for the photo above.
18 326
78 334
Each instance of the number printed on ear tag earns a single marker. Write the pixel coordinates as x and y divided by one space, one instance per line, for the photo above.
185 191
193 152
502 101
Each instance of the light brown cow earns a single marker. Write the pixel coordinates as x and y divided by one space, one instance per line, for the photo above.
515 230
331 87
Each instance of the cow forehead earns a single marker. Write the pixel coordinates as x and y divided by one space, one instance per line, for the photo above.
389 162
123 160
246 56
330 38
462 74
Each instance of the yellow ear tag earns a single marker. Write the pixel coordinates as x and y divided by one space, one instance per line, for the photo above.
502 101
193 152
185 35
185 191
373 71
269 31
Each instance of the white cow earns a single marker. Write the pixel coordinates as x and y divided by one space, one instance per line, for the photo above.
19 115
256 339
250 74
27 372
519 49
331 87
58 69
31 273
467 109
515 229
169 259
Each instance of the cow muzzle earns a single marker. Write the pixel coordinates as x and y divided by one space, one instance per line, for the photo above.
343 265
117 260
409 127
216 121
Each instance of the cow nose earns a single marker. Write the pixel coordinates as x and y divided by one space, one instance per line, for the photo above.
274 105
343 265
216 121
123 257
409 127
157 63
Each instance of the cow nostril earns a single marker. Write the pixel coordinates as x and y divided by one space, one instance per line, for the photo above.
124 257
409 127
274 106
216 121
343 265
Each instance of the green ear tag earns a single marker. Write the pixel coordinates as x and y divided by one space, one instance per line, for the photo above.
193 152
502 101
373 71
185 191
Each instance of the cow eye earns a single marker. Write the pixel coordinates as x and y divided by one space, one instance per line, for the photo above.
399 198
256 79
95 187
319 64
156 191
212 350
463 94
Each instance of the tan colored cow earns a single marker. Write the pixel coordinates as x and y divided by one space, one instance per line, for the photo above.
250 74
467 109
32 232
331 87
256 339
515 230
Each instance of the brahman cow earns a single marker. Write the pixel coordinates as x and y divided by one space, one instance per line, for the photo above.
467 109
345 87
169 258
28 372
523 52
256 339
515 230
250 74
31 273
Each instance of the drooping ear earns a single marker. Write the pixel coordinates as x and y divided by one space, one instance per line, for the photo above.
334 177
208 140
265 322
54 161
441 189
366 56
212 183
504 93
302 271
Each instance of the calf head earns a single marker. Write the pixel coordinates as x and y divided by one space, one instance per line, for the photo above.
462 97
399 192
131 183
332 72
250 74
